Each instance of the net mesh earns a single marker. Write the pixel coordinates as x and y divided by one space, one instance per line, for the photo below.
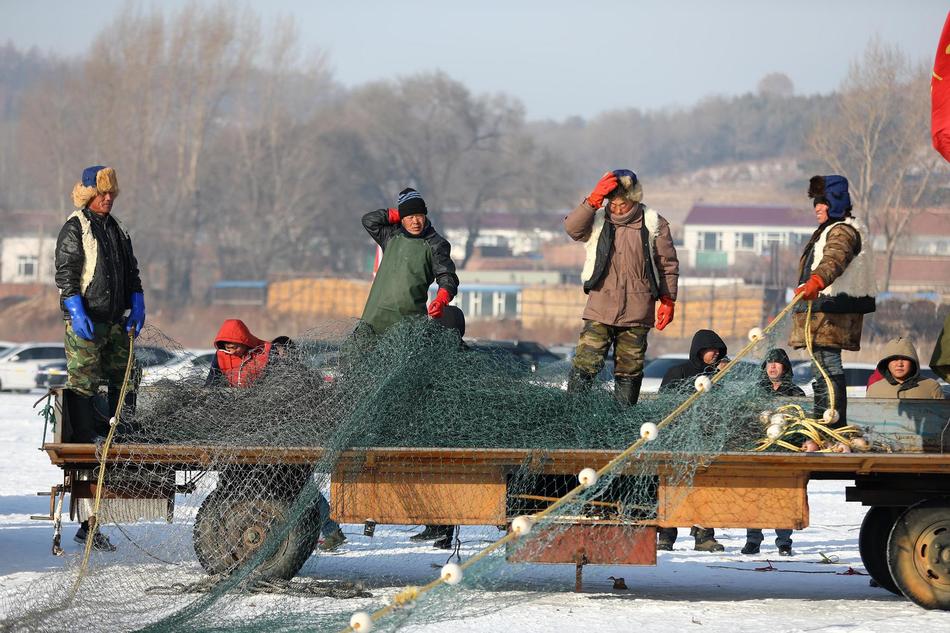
216 497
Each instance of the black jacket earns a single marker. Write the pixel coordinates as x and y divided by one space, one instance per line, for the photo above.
786 387
702 339
377 225
116 277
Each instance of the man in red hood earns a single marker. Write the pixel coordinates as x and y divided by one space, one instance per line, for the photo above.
241 356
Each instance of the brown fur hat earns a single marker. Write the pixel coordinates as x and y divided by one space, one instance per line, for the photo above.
95 180
629 188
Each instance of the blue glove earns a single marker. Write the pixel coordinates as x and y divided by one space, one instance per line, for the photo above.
82 325
136 314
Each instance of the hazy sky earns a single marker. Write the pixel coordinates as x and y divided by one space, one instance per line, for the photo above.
563 57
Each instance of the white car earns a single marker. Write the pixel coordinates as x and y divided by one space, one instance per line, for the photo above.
19 364
5 345
190 364
856 376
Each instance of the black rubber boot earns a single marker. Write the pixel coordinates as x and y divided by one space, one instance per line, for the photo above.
627 389
820 397
126 429
579 381
841 400
446 537
82 417
430 533
665 537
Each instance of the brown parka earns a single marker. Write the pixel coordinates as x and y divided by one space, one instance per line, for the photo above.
623 295
914 387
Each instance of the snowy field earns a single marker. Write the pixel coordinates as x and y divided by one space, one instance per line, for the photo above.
687 591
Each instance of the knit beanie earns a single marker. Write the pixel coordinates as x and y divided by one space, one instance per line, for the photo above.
410 202
95 180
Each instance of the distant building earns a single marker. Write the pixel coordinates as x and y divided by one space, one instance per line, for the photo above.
504 234
27 260
714 235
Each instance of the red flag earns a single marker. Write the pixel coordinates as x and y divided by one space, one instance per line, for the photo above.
940 94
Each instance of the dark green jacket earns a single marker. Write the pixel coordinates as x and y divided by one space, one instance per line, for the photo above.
409 266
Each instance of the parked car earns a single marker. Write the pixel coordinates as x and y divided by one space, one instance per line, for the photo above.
530 355
654 371
51 375
188 365
19 364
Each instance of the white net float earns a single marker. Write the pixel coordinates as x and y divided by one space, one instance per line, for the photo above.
587 477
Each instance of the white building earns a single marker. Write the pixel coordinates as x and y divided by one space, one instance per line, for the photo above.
27 260
713 235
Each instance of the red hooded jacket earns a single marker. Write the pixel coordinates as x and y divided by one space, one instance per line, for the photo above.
241 371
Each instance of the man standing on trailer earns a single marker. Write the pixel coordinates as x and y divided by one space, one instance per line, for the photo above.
631 265
102 301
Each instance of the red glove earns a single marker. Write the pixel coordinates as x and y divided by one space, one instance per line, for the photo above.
607 183
441 300
810 289
393 216
664 313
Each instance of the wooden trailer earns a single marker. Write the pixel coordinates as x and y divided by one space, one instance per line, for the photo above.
904 539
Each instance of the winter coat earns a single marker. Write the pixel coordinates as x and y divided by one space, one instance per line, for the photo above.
409 266
835 254
702 339
940 359
786 387
914 387
237 371
94 259
622 282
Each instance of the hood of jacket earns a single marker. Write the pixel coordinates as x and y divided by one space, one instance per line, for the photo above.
899 347
235 331
705 339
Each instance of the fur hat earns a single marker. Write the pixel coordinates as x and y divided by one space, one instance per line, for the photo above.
833 191
410 202
628 186
95 180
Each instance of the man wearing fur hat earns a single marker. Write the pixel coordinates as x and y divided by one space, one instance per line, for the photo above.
631 264
102 301
414 255
836 273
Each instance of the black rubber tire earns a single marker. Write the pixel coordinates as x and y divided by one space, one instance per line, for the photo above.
229 529
918 554
872 544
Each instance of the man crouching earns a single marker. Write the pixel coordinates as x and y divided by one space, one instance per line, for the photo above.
631 263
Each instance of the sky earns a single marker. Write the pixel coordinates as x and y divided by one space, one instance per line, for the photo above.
561 57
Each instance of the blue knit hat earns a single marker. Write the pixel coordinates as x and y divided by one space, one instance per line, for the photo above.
410 202
833 191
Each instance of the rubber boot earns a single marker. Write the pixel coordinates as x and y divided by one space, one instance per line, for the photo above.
705 540
579 381
665 537
82 417
446 537
820 397
430 533
126 428
627 389
841 400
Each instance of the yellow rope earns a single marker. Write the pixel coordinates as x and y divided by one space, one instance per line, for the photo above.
403 597
93 523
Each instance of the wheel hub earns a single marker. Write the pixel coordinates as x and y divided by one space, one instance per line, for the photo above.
932 554
253 536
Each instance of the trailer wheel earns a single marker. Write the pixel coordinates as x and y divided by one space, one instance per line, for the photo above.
872 544
229 530
918 554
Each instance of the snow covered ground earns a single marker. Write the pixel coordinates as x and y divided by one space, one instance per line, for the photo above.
687 591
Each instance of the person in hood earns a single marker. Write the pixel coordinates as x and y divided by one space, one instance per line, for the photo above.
776 377
414 255
901 374
631 265
705 351
241 356
240 361
836 277
776 381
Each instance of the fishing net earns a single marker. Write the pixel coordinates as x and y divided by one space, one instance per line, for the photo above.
217 497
